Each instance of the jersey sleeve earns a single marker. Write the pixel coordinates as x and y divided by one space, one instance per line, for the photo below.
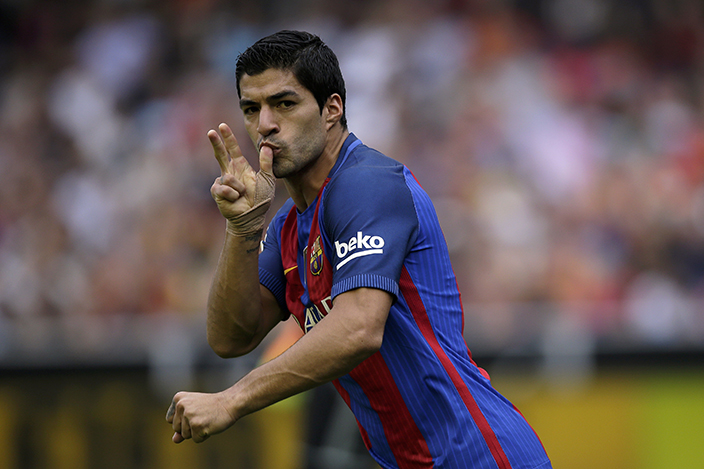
271 271
371 223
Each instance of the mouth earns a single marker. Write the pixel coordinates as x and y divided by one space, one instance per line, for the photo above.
273 147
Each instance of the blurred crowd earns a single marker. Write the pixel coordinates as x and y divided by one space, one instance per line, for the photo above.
562 142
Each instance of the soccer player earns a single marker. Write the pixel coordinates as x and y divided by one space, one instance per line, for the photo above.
357 257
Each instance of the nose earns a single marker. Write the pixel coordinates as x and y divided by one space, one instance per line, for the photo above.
267 122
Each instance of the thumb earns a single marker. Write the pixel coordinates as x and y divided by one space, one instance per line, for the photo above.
266 159
266 181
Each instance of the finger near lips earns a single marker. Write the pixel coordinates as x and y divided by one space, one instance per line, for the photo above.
266 159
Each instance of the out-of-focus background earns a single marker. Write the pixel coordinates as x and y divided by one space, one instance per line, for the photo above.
562 142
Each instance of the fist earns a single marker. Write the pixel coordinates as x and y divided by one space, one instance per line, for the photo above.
198 416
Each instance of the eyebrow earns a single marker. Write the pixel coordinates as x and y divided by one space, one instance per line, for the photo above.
244 102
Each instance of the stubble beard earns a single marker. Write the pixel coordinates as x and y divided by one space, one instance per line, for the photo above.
287 165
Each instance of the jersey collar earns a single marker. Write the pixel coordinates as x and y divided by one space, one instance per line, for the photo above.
351 142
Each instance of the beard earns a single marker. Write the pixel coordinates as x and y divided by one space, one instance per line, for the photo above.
289 161
282 169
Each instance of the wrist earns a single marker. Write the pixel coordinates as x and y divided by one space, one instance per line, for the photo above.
250 222
250 242
232 401
236 230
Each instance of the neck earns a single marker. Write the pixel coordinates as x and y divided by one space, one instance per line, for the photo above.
303 187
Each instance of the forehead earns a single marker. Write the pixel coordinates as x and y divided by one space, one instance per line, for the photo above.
269 83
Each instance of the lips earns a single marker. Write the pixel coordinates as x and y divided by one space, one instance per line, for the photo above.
268 144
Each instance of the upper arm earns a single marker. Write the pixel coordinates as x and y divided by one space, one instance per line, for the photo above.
271 314
364 311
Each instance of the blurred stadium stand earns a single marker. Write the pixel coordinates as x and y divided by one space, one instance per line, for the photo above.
561 140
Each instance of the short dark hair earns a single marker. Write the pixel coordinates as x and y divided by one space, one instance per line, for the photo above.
311 61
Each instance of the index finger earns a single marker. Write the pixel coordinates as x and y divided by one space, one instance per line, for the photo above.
220 151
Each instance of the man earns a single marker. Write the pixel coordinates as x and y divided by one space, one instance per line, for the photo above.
357 257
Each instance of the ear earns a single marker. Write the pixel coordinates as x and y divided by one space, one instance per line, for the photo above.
333 110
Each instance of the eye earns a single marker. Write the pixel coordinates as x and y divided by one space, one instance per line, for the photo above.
286 104
249 110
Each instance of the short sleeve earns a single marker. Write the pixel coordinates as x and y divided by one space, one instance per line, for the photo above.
370 222
271 271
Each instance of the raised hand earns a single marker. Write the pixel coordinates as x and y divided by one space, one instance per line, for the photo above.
243 195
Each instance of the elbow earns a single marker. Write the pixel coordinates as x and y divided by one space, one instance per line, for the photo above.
368 342
375 345
225 352
228 348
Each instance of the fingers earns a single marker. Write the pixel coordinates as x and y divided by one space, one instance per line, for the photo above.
185 431
231 145
176 418
227 187
188 433
181 423
225 147
170 412
220 151
229 154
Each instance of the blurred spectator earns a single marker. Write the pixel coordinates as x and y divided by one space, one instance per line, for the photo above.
563 143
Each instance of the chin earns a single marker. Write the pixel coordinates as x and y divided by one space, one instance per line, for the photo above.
279 171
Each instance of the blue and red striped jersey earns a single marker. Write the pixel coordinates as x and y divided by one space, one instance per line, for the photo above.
420 401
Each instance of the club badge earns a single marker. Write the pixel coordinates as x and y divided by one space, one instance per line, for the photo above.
316 257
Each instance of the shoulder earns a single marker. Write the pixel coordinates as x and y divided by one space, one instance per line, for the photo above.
367 174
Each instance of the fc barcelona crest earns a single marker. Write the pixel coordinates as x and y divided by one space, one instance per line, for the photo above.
316 257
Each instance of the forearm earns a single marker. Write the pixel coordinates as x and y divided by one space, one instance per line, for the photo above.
350 333
333 348
234 303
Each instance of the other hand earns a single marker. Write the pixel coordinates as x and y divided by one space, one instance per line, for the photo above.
198 416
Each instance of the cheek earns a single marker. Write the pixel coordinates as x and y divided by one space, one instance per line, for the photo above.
314 134
311 146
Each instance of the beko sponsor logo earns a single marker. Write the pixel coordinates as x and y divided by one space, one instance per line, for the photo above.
358 246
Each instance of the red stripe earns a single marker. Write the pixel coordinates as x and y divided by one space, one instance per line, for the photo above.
402 434
346 397
289 259
412 297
